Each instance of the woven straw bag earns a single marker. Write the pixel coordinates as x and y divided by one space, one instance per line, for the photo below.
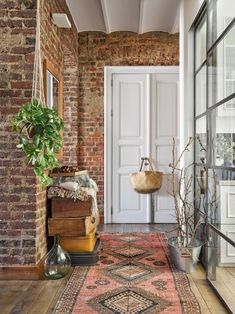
148 181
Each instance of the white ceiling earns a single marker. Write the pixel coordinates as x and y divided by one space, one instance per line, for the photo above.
138 16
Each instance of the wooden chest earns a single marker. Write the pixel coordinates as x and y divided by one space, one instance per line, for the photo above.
65 207
72 227
79 244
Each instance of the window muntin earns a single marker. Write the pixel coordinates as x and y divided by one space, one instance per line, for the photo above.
221 70
214 125
220 15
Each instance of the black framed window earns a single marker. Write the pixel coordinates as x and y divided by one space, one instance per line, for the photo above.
214 128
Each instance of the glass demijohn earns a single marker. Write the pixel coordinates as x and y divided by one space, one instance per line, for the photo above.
57 262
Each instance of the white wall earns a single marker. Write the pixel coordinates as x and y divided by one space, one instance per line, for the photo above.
188 12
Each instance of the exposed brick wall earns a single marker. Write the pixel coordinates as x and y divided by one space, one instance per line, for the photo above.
97 50
18 183
70 107
22 199
59 47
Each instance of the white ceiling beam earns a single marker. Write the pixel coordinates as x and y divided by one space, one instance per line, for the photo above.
141 18
105 15
176 26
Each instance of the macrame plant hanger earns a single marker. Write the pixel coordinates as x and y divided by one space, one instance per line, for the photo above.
38 87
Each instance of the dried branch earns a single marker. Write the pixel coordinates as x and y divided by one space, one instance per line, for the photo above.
182 193
200 143
182 188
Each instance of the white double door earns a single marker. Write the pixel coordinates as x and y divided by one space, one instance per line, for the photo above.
144 120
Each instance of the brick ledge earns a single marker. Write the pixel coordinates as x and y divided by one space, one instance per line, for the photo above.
21 272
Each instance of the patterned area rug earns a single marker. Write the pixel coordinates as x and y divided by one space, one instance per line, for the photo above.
134 276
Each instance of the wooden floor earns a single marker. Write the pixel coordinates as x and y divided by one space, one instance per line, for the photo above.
225 285
39 297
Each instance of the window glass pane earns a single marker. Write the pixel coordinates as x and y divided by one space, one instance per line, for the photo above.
200 42
223 135
221 13
201 91
221 70
200 142
221 199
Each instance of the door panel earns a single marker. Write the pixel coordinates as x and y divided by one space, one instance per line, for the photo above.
166 105
130 108
144 121
130 142
165 117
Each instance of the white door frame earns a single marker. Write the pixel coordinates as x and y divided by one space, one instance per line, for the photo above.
108 73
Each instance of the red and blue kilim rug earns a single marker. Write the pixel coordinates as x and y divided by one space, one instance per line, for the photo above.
133 276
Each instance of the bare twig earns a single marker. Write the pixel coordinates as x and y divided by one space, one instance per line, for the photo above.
182 188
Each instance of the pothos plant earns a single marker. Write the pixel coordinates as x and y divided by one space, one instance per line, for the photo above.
40 138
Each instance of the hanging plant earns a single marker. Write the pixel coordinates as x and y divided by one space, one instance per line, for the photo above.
39 130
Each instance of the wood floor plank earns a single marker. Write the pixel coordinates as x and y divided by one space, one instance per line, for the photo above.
224 284
201 301
9 300
11 292
227 279
231 270
45 296
28 297
48 296
127 228
213 303
135 228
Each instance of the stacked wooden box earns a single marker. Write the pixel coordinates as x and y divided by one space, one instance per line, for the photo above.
73 221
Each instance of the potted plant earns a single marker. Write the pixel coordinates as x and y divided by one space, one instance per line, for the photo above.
40 138
184 247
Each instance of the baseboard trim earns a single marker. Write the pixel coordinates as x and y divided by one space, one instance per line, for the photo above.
21 272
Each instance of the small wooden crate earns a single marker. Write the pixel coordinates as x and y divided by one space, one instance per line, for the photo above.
72 227
65 207
79 244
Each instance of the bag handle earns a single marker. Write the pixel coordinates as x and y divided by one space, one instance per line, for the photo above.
148 163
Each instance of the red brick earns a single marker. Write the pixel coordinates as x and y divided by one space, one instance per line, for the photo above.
29 58
10 23
22 50
29 23
23 13
9 260
21 84
5 215
9 5
9 110
10 58
25 31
